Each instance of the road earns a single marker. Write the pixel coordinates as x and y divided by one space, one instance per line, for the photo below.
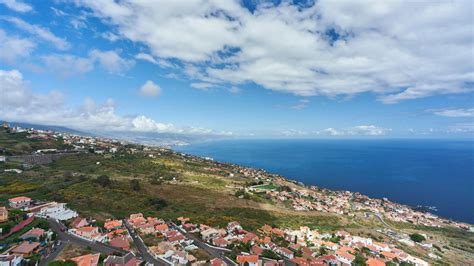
217 253
54 254
142 248
65 237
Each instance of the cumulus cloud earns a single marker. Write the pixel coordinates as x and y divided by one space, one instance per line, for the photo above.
14 47
235 89
68 65
395 49
111 61
364 130
150 89
40 32
19 103
202 85
460 112
17 5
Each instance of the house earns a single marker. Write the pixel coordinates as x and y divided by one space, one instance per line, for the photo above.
209 233
162 228
249 238
57 211
120 242
221 242
284 252
345 257
183 220
127 260
218 262
3 214
375 262
25 249
234 226
19 202
34 233
300 261
174 240
79 222
257 250
189 227
10 260
112 224
250 260
88 232
87 260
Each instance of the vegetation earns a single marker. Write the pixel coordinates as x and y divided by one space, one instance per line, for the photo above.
417 238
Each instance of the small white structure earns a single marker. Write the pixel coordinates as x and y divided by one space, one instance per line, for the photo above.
10 260
3 158
18 171
57 211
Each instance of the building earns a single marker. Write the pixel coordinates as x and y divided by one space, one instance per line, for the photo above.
25 249
19 202
88 232
10 260
250 260
57 211
127 260
3 214
34 233
112 224
87 260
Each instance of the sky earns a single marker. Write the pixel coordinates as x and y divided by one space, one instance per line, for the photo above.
241 69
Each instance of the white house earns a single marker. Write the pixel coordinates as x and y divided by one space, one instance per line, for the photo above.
10 260
57 211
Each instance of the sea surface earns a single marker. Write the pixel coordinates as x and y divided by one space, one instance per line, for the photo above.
436 173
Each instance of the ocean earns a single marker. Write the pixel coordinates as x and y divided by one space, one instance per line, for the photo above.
436 173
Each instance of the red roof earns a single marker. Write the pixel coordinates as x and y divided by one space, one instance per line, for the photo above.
19 199
120 242
247 258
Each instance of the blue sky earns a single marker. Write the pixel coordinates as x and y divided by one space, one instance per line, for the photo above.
240 69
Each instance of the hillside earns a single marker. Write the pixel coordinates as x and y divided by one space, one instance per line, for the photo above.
160 182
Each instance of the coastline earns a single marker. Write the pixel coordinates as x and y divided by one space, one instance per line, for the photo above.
421 206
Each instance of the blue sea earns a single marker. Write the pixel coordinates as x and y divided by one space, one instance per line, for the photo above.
436 173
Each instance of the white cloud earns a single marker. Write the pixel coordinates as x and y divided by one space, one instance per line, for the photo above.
235 89
303 103
150 89
461 128
18 103
17 5
460 112
13 47
364 130
151 59
40 32
202 85
111 61
68 65
397 50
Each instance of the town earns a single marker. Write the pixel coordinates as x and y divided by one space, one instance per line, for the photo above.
37 231
43 228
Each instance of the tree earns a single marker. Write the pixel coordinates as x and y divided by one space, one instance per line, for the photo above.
135 184
103 180
157 203
359 260
417 237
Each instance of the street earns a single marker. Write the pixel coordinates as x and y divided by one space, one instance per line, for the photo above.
217 253
142 247
65 237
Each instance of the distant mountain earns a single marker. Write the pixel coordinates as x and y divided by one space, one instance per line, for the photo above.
48 127
146 138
